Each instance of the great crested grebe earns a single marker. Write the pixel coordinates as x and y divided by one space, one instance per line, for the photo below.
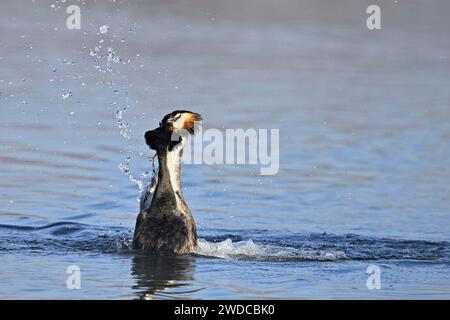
165 224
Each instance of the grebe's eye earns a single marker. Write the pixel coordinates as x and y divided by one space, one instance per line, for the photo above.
178 116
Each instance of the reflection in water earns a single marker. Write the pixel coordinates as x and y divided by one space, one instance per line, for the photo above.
159 277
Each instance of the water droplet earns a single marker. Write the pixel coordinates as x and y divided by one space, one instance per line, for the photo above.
104 29
66 95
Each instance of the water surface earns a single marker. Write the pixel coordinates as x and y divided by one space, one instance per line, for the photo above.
364 157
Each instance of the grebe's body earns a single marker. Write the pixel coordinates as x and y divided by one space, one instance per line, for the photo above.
165 224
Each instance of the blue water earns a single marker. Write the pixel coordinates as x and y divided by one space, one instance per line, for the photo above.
364 157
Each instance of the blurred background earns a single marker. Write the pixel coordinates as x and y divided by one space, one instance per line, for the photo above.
363 118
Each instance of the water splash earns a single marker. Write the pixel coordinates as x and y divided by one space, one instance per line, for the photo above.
63 236
104 29
122 124
139 181
112 57
64 96
105 57
248 250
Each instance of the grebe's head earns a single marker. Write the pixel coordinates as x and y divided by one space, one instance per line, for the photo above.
172 128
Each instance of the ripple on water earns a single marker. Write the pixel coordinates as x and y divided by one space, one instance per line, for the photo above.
64 236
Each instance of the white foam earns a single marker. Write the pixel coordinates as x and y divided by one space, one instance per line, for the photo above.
228 249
